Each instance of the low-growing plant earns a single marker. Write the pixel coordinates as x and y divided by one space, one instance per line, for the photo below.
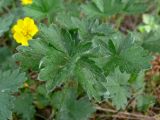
73 60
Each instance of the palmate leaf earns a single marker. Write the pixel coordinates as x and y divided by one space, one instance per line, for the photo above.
118 87
52 35
102 8
87 28
55 65
69 108
135 56
43 8
23 106
36 49
10 81
72 23
125 53
91 78
6 103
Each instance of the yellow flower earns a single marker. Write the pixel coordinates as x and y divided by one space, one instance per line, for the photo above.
24 30
26 2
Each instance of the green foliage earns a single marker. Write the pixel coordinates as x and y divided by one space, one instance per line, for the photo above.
61 62
138 82
43 8
68 53
151 41
69 108
23 106
102 8
126 53
87 28
79 57
5 23
144 102
6 103
28 61
5 53
119 88
149 24
10 81
90 77
4 4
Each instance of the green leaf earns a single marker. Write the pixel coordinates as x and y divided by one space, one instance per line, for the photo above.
42 98
99 4
63 75
5 23
56 60
139 83
6 103
23 106
129 56
134 59
73 23
30 56
151 41
43 8
118 88
6 61
87 28
52 36
69 108
136 6
95 8
10 81
144 102
5 53
102 29
88 81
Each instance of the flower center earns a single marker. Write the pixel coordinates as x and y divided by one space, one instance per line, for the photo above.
27 34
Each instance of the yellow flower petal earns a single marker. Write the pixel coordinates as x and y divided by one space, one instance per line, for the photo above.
28 20
24 30
26 2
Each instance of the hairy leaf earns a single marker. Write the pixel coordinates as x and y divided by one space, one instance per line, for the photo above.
23 106
118 87
6 103
69 108
95 8
10 81
43 8
128 55
151 41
